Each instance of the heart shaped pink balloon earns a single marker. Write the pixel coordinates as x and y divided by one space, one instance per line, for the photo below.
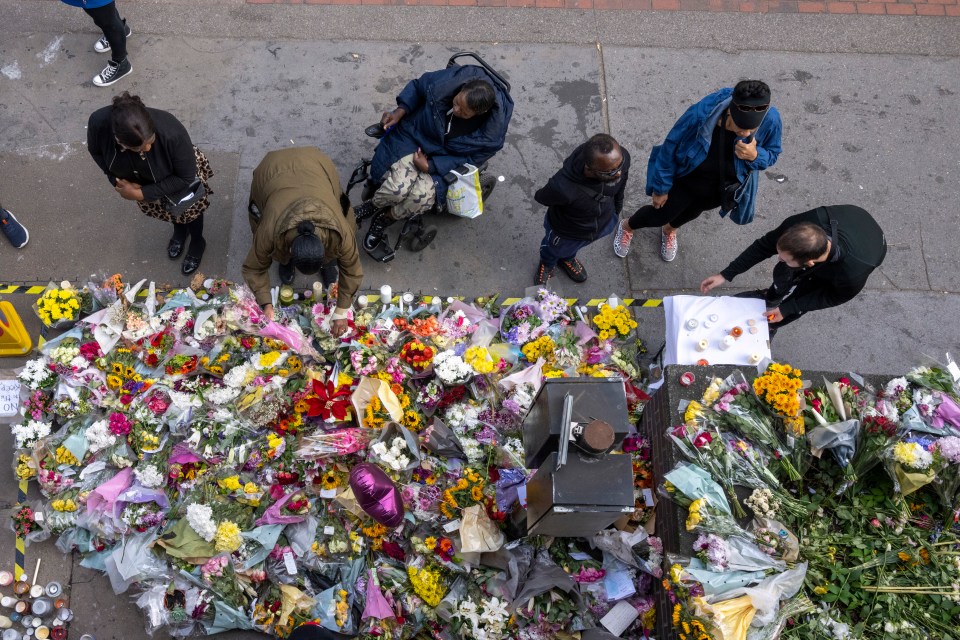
376 494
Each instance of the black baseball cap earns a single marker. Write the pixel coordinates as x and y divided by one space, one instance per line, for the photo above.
750 102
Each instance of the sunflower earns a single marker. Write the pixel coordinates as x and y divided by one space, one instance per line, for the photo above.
330 480
129 372
114 382
117 368
476 493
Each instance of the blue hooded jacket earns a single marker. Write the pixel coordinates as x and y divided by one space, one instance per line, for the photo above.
426 101
688 142
87 4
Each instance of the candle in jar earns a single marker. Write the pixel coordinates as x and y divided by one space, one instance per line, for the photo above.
736 332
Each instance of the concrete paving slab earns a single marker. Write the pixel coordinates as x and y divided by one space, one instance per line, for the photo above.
79 225
848 138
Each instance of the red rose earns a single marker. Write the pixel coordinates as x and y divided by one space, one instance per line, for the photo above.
703 439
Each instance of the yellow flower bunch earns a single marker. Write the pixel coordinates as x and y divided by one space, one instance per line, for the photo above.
64 456
375 414
228 537
231 483
614 321
267 360
778 387
428 583
412 420
251 487
694 518
468 490
58 304
343 608
593 371
480 360
542 347
693 411
67 505
25 468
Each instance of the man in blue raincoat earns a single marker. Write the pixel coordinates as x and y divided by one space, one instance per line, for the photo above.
711 158
443 119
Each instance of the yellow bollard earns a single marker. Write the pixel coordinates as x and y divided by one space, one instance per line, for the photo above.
14 339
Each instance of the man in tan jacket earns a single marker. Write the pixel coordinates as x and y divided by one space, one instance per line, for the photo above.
301 218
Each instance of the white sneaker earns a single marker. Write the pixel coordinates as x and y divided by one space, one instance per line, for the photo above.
622 239
103 45
668 246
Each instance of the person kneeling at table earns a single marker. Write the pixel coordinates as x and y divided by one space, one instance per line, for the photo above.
826 255
301 218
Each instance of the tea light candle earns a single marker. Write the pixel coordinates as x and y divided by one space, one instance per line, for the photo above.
6 578
702 345
751 322
703 362
36 591
713 317
386 294
754 358
692 324
753 330
736 332
727 342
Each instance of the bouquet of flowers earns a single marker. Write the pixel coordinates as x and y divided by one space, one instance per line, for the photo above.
417 355
521 323
60 305
946 462
450 369
614 322
910 466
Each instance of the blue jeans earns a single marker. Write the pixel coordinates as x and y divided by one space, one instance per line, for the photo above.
555 248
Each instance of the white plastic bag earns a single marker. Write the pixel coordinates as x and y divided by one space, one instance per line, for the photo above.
464 197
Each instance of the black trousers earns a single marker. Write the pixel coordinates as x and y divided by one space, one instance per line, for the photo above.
114 29
687 200
195 231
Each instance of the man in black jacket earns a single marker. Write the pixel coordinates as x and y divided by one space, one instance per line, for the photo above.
584 200
826 255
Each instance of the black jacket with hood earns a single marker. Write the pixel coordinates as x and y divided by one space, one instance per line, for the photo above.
171 165
580 207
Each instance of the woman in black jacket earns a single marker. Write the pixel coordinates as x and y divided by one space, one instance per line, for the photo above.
149 158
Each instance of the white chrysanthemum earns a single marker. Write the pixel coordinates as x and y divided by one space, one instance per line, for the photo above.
239 376
27 435
99 437
149 476
200 519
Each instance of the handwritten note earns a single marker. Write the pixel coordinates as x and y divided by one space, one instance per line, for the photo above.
9 398
619 618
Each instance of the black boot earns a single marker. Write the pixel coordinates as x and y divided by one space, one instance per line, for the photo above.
375 235
364 211
375 242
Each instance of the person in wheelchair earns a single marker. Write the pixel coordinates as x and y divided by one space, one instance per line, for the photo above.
443 120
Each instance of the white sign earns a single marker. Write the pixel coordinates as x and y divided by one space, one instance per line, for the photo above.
696 327
9 398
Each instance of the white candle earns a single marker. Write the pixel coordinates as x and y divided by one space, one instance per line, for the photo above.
386 294
713 317
408 298
613 302
692 324
727 342
754 358
702 345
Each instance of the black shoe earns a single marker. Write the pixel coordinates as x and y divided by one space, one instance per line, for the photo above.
191 262
378 226
113 72
575 269
542 275
287 273
364 211
175 247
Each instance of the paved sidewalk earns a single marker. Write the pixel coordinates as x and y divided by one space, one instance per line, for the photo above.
862 7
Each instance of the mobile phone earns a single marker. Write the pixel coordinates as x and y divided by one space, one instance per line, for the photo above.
748 139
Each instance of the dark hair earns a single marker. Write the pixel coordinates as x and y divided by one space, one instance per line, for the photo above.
599 145
751 92
480 96
306 251
804 241
132 124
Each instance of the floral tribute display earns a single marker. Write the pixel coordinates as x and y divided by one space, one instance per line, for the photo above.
234 472
823 509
